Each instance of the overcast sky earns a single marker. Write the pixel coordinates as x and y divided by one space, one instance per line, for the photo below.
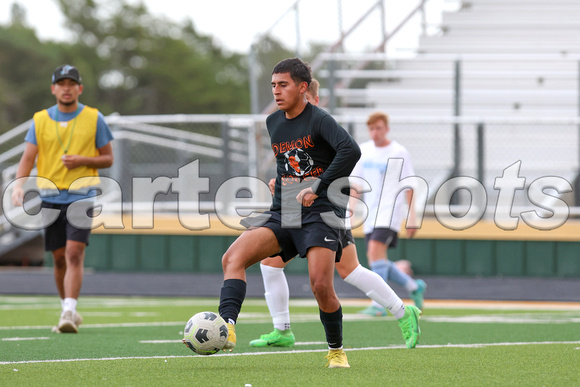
236 24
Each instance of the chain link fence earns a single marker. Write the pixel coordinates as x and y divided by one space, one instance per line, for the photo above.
224 147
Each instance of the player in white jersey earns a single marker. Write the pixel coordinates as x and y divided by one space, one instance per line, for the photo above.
388 207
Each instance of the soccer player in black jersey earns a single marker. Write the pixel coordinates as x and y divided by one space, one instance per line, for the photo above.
312 151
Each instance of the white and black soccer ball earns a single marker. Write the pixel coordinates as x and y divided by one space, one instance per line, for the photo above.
205 333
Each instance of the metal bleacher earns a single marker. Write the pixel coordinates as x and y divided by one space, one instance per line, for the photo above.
509 65
511 59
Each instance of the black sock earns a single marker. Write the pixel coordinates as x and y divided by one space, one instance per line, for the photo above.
332 323
231 298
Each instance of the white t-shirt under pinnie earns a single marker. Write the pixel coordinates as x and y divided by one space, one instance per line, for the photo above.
384 210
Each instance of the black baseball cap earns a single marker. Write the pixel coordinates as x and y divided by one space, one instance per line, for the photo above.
66 71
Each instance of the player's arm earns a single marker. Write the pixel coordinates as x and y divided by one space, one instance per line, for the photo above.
347 153
307 196
103 143
272 186
103 160
346 157
411 231
355 188
24 167
408 171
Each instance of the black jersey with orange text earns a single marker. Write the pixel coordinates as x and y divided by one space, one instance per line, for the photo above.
310 148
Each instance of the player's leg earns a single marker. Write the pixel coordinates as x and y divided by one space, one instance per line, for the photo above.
416 288
56 240
380 292
73 279
369 282
277 296
321 272
249 248
277 293
405 266
74 254
59 263
378 263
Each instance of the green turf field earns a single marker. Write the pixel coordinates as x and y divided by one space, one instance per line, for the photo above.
137 342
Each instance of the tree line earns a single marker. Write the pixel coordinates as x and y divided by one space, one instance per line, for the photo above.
131 61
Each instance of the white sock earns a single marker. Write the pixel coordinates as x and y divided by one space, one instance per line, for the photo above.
411 285
277 295
377 305
69 304
377 289
62 304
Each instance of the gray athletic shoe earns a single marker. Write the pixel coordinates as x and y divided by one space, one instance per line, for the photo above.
78 320
68 322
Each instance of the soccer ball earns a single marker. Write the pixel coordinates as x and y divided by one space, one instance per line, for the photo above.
205 333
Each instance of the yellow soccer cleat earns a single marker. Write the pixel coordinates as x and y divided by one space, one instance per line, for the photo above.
231 343
337 359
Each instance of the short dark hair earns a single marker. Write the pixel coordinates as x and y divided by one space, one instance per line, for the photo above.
299 71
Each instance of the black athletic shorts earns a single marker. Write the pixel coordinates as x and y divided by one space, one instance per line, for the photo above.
296 241
348 239
384 235
56 234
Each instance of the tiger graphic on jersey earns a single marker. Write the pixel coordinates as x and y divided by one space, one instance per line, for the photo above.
298 162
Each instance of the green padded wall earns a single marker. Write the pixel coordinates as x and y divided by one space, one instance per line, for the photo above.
187 253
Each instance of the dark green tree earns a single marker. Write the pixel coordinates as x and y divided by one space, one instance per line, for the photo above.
132 62
25 68
147 65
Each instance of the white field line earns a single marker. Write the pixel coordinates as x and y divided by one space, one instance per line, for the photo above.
265 318
479 345
24 338
502 319
11 303
179 342
119 325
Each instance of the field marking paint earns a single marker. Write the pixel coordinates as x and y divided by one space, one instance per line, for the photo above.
143 314
179 342
305 317
103 314
478 319
118 325
11 303
24 338
480 345
310 342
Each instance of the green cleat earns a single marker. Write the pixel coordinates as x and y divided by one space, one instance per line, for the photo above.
277 338
417 295
374 311
409 325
